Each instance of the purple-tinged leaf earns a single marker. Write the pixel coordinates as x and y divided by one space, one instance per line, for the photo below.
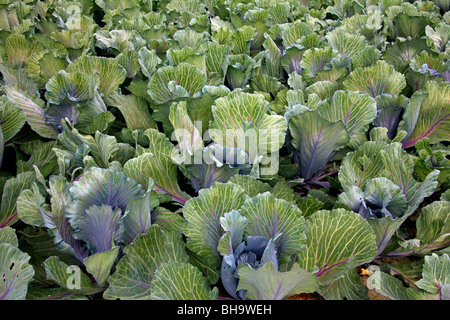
433 231
132 279
57 221
390 112
275 219
355 110
214 164
317 140
203 214
98 187
155 163
428 114
406 26
33 110
99 227
77 86
110 73
15 272
291 60
336 241
267 283
55 114
11 191
169 83
134 109
381 78
138 216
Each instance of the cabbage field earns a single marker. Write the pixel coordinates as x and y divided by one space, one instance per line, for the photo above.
224 150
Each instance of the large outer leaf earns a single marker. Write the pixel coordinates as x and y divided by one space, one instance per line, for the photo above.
33 110
11 191
290 61
265 84
428 114
148 60
155 163
349 287
134 109
316 60
29 205
191 6
345 43
168 82
400 171
268 216
405 25
272 58
189 38
317 140
8 236
43 65
435 274
245 106
67 277
185 132
110 73
336 241
376 80
388 286
437 38
252 186
41 156
267 283
18 49
433 226
15 272
216 61
355 110
187 55
2 146
401 53
99 264
181 281
240 40
433 230
129 60
321 89
361 165
203 215
241 121
298 30
57 222
12 118
134 273
384 229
